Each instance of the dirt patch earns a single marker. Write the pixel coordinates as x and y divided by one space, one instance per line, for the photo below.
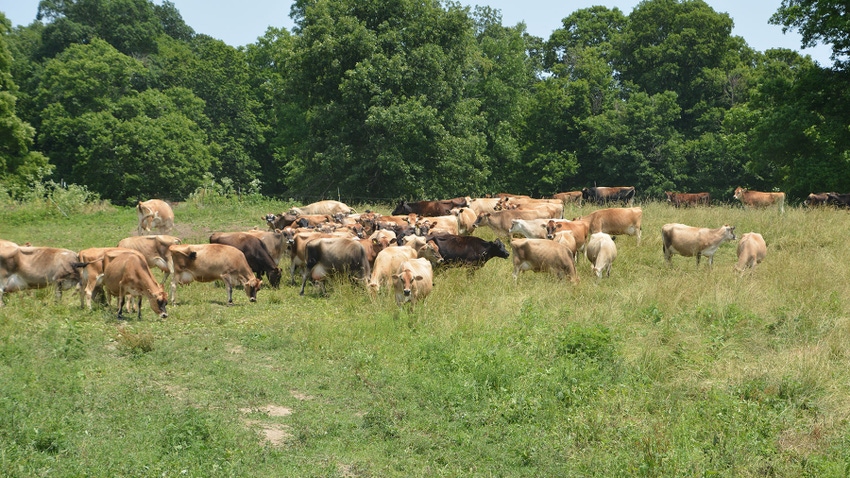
300 396
272 433
270 410
236 350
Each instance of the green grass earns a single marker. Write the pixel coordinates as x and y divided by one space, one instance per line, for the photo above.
656 371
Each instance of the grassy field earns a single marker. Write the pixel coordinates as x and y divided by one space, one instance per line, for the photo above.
656 371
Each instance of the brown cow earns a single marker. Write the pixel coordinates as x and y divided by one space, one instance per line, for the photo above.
155 214
211 262
604 195
279 221
579 229
819 199
688 199
155 250
760 199
258 257
694 241
479 205
276 242
95 260
601 252
322 207
128 274
543 255
569 197
335 254
502 221
751 251
24 267
413 281
615 221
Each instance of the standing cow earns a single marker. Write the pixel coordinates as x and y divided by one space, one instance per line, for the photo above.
751 251
758 199
155 214
413 281
129 275
601 252
694 241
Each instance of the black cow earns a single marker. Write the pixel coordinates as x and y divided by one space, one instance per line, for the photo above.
604 195
467 250
256 253
838 200
429 208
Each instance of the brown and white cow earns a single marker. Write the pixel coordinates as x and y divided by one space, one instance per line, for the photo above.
155 214
413 281
334 255
688 199
322 207
156 252
93 261
532 228
24 267
816 199
502 221
128 275
751 251
601 252
604 195
256 253
212 262
758 199
543 255
615 221
694 241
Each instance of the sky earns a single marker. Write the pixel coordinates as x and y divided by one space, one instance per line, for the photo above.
241 22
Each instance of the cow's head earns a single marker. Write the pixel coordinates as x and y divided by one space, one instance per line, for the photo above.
739 193
497 249
158 302
252 286
483 218
431 252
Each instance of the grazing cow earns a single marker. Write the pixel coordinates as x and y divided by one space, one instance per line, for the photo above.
156 252
256 253
502 221
604 195
335 254
601 252
322 207
569 197
467 250
211 262
751 251
128 274
279 221
429 208
25 267
616 221
819 199
838 200
93 262
694 241
688 199
579 229
413 281
543 255
759 199
155 214
277 242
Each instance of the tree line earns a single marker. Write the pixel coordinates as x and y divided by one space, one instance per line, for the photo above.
392 99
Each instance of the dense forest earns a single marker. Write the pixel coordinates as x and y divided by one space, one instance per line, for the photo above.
418 99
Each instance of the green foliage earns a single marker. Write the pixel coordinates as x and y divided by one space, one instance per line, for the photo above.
817 21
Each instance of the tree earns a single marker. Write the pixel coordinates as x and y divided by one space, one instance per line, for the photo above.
826 21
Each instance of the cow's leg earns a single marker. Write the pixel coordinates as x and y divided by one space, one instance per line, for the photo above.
699 254
139 308
120 306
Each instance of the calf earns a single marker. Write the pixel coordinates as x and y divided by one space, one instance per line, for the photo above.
543 255
413 281
211 262
128 274
328 255
23 267
258 257
601 252
751 251
694 241
155 214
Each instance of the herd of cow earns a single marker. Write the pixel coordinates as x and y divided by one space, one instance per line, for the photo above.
400 250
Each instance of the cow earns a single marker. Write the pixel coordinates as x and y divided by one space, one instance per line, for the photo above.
279 221
688 199
298 251
322 207
566 238
155 249
601 252
336 254
314 220
466 218
615 221
816 199
694 241
543 255
531 228
604 195
277 242
551 207
502 221
758 199
128 274
838 200
388 261
256 253
211 262
429 208
479 205
155 214
413 281
467 250
569 197
579 229
93 261
27 267
440 224
751 251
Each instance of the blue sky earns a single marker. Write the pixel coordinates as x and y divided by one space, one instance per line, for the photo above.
241 22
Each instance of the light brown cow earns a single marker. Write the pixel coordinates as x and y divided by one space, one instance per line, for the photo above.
615 221
543 255
694 241
760 199
569 197
466 218
387 263
155 214
413 281
688 199
128 274
24 267
751 251
568 239
601 252
480 205
95 260
580 230
211 262
322 207
440 224
532 228
552 207
156 252
502 221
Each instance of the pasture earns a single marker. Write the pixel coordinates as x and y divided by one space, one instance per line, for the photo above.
655 371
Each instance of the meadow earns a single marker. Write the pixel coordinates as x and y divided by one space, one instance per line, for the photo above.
655 371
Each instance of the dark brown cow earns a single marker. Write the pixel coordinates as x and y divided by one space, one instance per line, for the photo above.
819 199
688 199
429 208
838 200
467 250
256 253
604 195
334 255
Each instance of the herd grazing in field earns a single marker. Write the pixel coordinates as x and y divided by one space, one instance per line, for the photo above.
399 252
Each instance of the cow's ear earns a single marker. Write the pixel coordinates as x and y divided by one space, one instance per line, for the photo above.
375 241
395 276
393 240
418 278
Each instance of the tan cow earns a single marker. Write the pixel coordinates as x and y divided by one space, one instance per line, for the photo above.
94 261
212 262
758 199
569 197
155 214
532 228
24 267
568 239
387 263
128 274
751 251
694 241
156 252
413 281
466 218
480 205
502 221
322 207
615 221
440 224
550 207
543 255
601 252
580 230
